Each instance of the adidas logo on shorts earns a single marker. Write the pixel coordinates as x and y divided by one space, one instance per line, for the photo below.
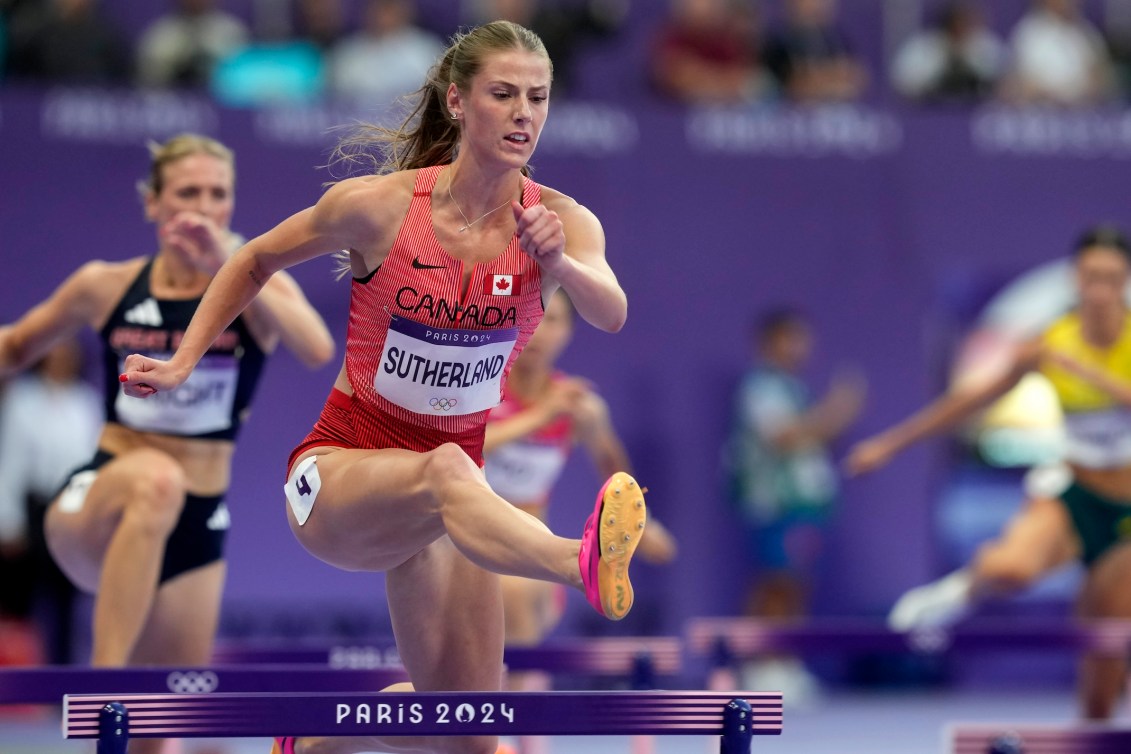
220 520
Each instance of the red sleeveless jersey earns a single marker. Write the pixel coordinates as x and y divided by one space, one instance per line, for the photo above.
419 353
524 472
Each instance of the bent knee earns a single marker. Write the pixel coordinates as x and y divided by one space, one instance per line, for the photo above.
1008 570
155 494
449 463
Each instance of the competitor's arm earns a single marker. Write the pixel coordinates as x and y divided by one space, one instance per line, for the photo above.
75 303
337 221
569 245
597 433
515 427
279 313
294 321
563 397
941 414
1117 388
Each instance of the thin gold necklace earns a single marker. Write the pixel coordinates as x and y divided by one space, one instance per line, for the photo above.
468 223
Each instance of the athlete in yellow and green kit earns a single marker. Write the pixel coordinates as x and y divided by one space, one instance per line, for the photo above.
1078 509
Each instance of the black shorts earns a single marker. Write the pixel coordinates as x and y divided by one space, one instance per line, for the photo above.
196 541
1101 522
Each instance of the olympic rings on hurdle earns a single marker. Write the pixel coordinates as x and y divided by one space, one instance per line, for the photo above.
193 682
48 685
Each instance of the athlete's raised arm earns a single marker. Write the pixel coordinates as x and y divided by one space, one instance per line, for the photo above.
567 241
941 414
1103 379
280 313
339 220
80 300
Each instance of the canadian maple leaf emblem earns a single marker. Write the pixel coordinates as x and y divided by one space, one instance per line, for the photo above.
502 284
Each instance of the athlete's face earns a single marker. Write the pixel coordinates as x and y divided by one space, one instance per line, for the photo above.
552 335
505 107
197 183
1101 279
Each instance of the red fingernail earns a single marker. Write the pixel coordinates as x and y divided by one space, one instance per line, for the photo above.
123 378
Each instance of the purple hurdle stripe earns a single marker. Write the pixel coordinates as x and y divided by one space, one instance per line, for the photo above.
431 714
744 637
48 685
1029 739
607 656
599 656
362 655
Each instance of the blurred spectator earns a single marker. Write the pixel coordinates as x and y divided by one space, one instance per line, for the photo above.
284 70
269 73
1119 48
563 26
388 58
706 53
49 424
960 59
181 48
322 23
811 57
784 481
66 42
1058 58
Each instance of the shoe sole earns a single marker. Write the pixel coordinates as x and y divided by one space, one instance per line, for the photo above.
623 515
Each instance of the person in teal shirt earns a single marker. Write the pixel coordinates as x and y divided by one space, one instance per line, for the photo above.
784 480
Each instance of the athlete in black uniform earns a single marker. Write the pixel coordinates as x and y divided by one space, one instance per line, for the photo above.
142 525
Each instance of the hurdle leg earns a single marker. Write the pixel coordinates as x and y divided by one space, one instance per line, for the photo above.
531 680
738 731
643 672
643 679
113 729
722 675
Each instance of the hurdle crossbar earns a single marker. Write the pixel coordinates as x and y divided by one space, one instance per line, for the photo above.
48 685
114 719
742 638
599 656
984 738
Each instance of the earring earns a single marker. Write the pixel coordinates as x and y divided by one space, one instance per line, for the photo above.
455 117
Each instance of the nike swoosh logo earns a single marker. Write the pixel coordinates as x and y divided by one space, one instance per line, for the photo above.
418 265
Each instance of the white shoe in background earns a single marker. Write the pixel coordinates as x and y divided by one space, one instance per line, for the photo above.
935 605
799 688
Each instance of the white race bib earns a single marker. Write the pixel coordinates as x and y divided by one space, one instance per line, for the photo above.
428 370
1099 439
524 472
202 404
303 487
